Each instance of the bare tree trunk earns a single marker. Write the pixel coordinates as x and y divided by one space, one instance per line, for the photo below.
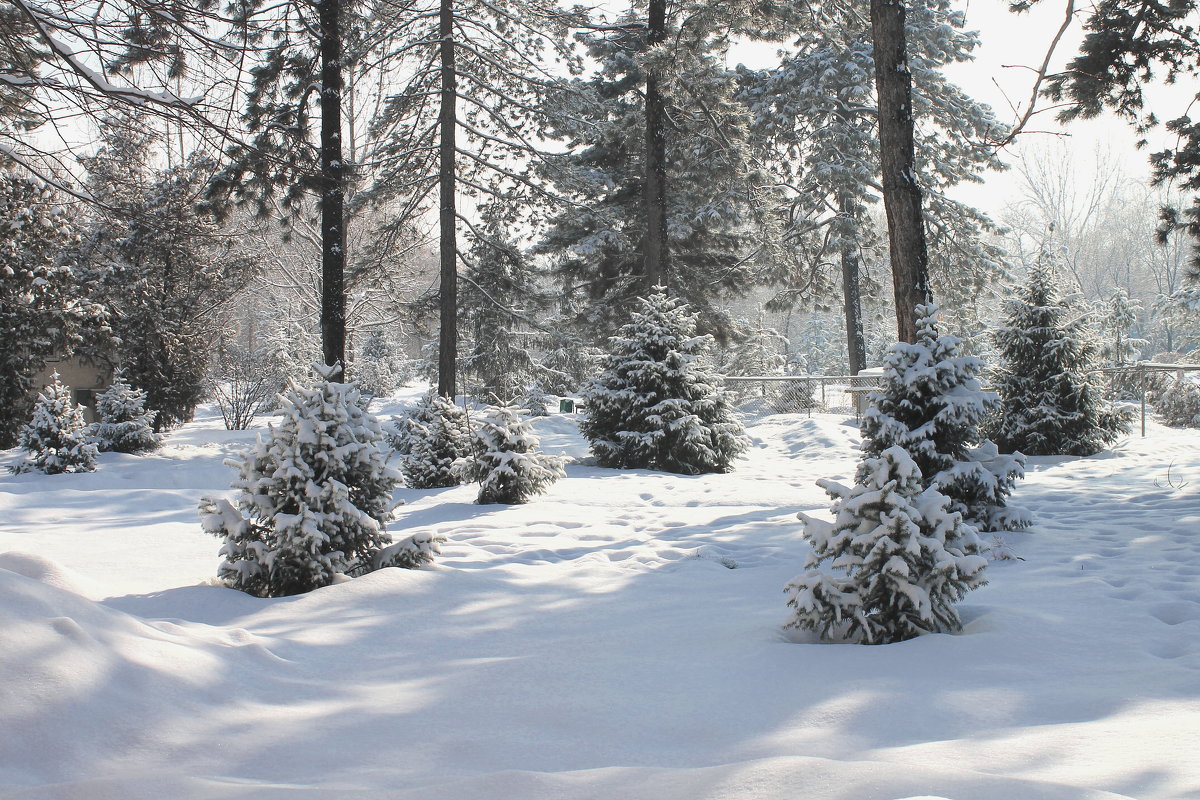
655 198
901 194
855 345
448 243
333 188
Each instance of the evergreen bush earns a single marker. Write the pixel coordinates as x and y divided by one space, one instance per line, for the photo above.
900 558
314 495
1050 401
1179 404
507 463
431 439
123 425
657 404
931 404
56 438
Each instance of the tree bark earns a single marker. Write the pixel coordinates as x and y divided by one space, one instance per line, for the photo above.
656 251
852 303
901 194
333 187
448 243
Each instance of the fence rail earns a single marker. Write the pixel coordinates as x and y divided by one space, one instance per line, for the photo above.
759 396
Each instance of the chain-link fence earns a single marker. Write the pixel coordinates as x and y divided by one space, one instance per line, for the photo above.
759 396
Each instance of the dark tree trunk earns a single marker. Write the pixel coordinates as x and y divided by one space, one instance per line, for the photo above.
448 243
852 302
333 187
901 194
655 197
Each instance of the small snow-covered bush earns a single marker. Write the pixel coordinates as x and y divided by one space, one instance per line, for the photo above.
56 438
381 366
313 498
537 401
123 425
431 438
658 404
507 462
412 552
900 558
1179 404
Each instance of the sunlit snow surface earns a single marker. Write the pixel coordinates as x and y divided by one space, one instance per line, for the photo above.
618 638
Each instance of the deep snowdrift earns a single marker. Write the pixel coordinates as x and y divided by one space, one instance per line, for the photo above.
617 637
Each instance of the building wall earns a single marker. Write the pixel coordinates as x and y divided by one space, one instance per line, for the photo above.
86 380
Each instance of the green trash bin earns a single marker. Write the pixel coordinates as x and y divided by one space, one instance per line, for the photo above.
566 406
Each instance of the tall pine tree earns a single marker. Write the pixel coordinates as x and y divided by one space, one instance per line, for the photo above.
599 244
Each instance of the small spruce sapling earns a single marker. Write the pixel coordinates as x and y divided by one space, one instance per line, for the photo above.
899 558
56 438
658 404
123 424
537 401
313 498
931 404
1050 399
431 439
508 464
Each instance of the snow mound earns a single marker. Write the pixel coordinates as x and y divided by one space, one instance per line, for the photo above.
51 573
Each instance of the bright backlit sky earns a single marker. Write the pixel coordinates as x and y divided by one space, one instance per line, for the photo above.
1002 76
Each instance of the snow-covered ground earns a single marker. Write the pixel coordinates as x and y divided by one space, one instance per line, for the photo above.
619 638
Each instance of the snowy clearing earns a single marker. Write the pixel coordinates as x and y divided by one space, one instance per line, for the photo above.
617 637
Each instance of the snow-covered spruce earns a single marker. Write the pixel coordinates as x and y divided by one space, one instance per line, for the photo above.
1179 404
931 404
56 438
537 402
900 558
1050 404
380 367
657 404
313 497
123 425
431 438
410 553
507 462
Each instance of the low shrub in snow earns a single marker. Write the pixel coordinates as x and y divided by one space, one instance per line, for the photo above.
1179 404
123 425
507 462
56 438
313 497
411 553
657 404
899 558
431 439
